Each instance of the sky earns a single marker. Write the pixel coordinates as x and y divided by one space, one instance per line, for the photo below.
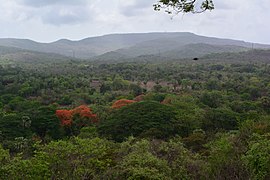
50 20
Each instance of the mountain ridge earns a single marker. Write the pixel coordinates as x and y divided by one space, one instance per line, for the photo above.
126 44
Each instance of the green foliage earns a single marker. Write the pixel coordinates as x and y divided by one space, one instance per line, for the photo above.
78 158
220 118
224 160
88 132
200 127
189 115
4 155
65 100
220 152
135 89
212 99
105 87
11 126
45 122
159 97
138 118
139 163
257 158
265 103
143 166
183 164
19 168
72 159
257 125
196 140
155 159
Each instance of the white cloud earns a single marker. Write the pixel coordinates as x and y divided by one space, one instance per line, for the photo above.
135 7
48 20
43 3
62 15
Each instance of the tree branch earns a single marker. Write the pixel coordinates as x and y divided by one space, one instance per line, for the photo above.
183 6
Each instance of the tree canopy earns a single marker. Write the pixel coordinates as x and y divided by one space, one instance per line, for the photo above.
144 119
184 6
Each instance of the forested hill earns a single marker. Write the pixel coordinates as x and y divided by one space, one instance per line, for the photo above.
22 55
135 44
248 56
202 51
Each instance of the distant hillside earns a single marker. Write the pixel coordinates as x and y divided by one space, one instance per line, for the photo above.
248 56
184 51
199 50
21 55
111 56
256 55
127 45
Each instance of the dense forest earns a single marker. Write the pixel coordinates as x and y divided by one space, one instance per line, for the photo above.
146 119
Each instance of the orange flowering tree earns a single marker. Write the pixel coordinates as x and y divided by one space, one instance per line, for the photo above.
122 102
73 120
85 112
65 117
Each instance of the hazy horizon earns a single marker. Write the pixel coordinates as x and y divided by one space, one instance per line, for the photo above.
49 21
121 33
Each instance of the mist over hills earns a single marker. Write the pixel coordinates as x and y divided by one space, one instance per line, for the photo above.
114 46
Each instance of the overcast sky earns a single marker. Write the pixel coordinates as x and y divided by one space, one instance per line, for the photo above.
50 20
